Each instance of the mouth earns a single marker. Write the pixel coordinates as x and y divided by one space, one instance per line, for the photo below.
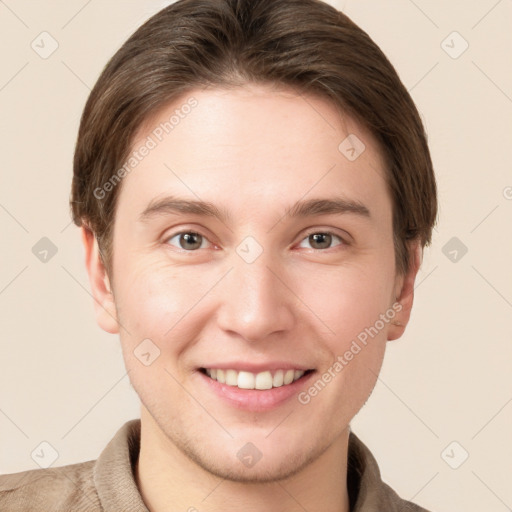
264 380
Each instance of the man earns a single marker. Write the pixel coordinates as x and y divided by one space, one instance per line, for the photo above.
254 190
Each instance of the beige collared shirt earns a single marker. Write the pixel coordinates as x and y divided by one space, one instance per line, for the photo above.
108 483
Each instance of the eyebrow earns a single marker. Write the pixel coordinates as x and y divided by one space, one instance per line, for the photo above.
303 208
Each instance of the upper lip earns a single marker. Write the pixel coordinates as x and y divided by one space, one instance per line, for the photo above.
257 368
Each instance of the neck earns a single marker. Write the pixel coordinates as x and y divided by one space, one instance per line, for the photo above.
167 477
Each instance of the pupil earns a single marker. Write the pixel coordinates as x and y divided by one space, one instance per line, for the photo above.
324 239
191 239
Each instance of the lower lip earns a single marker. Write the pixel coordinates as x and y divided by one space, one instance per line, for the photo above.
256 399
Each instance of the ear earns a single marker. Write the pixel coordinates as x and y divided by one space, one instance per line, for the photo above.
404 291
104 305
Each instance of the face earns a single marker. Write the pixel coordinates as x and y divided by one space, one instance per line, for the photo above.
249 246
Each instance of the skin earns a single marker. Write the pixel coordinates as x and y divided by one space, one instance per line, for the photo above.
253 151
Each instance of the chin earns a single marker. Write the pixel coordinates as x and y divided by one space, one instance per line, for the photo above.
268 469
239 460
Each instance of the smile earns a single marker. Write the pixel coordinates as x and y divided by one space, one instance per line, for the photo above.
247 380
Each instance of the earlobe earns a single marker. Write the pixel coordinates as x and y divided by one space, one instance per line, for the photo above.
405 294
104 305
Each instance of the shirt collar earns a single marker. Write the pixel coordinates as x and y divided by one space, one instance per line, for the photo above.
114 471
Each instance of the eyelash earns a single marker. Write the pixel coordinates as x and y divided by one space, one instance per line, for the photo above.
307 235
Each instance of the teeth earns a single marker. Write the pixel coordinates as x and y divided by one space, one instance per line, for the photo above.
278 379
231 378
248 380
288 376
263 381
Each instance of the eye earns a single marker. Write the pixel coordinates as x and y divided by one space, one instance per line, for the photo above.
188 240
322 240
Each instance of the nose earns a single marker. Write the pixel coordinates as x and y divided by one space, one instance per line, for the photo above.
256 301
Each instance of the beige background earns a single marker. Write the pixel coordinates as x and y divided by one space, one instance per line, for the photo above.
62 379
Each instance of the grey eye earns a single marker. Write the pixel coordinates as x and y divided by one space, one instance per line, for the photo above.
188 240
321 240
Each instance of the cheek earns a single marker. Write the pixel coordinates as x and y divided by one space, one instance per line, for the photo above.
346 300
347 304
154 302
156 307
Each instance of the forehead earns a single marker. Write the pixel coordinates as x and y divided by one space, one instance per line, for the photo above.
252 147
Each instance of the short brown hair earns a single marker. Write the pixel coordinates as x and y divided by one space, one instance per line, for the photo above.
304 44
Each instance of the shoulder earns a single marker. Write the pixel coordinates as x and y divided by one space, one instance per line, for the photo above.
367 490
394 502
56 489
